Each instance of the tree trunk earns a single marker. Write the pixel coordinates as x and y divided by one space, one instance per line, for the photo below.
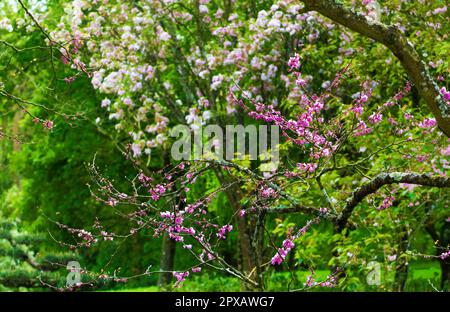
442 240
401 271
445 263
167 260
259 248
247 263
445 274
168 245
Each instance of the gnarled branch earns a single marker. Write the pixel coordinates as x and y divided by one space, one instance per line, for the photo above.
401 47
385 179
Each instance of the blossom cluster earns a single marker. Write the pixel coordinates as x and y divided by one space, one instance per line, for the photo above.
282 252
387 202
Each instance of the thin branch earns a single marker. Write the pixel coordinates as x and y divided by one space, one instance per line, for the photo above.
35 21
16 49
296 206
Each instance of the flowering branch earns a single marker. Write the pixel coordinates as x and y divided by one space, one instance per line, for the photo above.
401 47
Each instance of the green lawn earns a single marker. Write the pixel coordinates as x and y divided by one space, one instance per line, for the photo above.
420 277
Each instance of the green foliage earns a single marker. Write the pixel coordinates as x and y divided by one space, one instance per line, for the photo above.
23 264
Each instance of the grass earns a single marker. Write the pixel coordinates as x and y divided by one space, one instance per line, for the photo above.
421 277
425 270
214 282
